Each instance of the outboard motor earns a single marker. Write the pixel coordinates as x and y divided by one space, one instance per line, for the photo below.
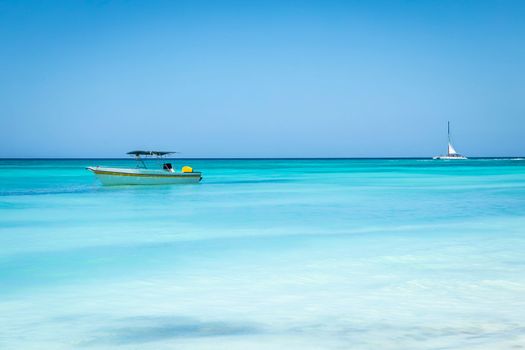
167 167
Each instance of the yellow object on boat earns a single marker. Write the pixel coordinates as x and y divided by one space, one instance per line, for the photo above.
187 169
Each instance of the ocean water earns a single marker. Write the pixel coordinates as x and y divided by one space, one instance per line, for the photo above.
265 254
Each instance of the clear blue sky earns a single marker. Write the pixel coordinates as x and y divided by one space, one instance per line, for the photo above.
261 78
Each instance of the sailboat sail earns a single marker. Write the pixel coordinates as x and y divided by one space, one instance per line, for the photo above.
451 149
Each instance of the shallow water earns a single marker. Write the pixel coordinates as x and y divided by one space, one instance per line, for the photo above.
265 254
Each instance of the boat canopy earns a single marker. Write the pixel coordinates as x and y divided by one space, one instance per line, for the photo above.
149 153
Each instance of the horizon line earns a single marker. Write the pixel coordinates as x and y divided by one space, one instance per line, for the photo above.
241 158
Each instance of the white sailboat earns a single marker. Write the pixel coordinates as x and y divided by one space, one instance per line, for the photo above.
452 154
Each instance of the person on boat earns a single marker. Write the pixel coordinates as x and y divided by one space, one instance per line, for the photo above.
167 167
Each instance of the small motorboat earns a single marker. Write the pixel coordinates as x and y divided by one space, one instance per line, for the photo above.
451 154
142 175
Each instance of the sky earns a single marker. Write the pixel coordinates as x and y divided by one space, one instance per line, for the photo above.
262 78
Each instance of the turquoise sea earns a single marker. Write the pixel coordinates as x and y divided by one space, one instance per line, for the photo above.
265 254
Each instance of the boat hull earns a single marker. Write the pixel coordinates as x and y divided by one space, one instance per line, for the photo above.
118 177
450 158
